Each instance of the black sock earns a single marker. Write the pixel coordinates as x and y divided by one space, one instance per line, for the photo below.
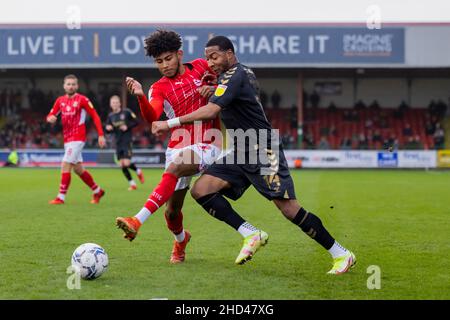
217 206
133 167
126 173
313 227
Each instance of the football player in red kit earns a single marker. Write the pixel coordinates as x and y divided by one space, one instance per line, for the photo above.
181 90
73 108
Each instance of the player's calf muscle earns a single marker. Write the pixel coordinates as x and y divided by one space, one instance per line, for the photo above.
289 208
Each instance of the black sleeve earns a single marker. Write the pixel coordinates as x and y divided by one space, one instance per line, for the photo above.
131 119
230 84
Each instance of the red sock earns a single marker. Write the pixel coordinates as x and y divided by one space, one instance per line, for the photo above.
65 182
87 178
162 192
175 225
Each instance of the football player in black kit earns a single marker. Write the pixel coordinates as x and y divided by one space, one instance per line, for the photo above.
236 99
121 122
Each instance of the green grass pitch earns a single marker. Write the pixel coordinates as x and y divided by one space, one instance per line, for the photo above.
396 220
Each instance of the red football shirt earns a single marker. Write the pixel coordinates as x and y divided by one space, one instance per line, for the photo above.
73 116
179 96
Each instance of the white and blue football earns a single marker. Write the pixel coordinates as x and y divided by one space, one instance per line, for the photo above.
90 261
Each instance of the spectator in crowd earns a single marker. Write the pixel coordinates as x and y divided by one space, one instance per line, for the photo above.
391 143
324 131
407 130
346 144
306 99
288 141
276 99
323 144
315 99
413 143
432 107
429 128
441 109
383 121
368 124
418 142
309 141
403 107
439 137
346 116
359 105
362 142
376 138
374 105
400 111
293 116
333 131
354 116
332 107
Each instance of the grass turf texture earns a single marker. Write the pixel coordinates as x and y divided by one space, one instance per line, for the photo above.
397 220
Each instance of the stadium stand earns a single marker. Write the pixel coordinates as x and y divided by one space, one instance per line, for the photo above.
371 127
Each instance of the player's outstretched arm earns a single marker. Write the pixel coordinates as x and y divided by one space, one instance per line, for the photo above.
207 112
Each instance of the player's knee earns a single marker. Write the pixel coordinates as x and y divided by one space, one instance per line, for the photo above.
289 208
198 191
175 169
79 171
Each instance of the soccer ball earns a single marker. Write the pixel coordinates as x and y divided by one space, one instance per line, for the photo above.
90 260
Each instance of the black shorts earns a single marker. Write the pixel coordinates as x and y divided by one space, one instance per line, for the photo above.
272 184
124 151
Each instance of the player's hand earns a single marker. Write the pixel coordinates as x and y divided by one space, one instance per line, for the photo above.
109 127
206 91
51 119
134 87
123 127
209 78
101 142
159 127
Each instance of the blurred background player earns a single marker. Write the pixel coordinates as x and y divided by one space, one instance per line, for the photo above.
13 159
73 108
237 101
121 122
178 92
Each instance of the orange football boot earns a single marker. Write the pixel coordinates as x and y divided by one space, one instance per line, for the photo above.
141 177
129 225
178 251
96 196
56 201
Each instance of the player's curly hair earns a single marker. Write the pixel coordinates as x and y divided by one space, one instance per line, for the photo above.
162 41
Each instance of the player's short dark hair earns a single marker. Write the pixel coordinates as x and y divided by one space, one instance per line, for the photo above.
222 42
70 76
162 41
